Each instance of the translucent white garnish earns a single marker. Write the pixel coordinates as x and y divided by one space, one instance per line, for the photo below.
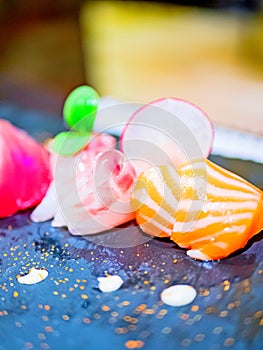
110 283
178 295
34 276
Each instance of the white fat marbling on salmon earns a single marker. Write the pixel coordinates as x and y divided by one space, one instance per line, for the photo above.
237 229
195 165
190 205
210 220
228 206
153 205
158 225
234 181
229 194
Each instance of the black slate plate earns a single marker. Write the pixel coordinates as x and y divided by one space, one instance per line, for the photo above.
67 311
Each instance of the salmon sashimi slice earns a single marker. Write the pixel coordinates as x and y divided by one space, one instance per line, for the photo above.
24 170
202 207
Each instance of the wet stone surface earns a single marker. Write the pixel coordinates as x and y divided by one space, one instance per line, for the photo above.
67 310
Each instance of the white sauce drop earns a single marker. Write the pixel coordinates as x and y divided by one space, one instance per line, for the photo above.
34 276
110 283
178 295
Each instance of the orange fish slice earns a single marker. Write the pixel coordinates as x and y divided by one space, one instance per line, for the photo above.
201 207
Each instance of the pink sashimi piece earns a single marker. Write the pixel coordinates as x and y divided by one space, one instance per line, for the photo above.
91 190
167 131
24 170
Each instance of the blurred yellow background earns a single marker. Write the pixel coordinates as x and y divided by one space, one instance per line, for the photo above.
142 51
136 51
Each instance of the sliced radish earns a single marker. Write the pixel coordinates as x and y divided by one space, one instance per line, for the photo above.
167 131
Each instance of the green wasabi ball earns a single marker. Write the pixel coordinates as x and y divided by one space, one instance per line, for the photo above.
80 108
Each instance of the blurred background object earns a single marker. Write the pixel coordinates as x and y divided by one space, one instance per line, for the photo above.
41 54
208 52
211 56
